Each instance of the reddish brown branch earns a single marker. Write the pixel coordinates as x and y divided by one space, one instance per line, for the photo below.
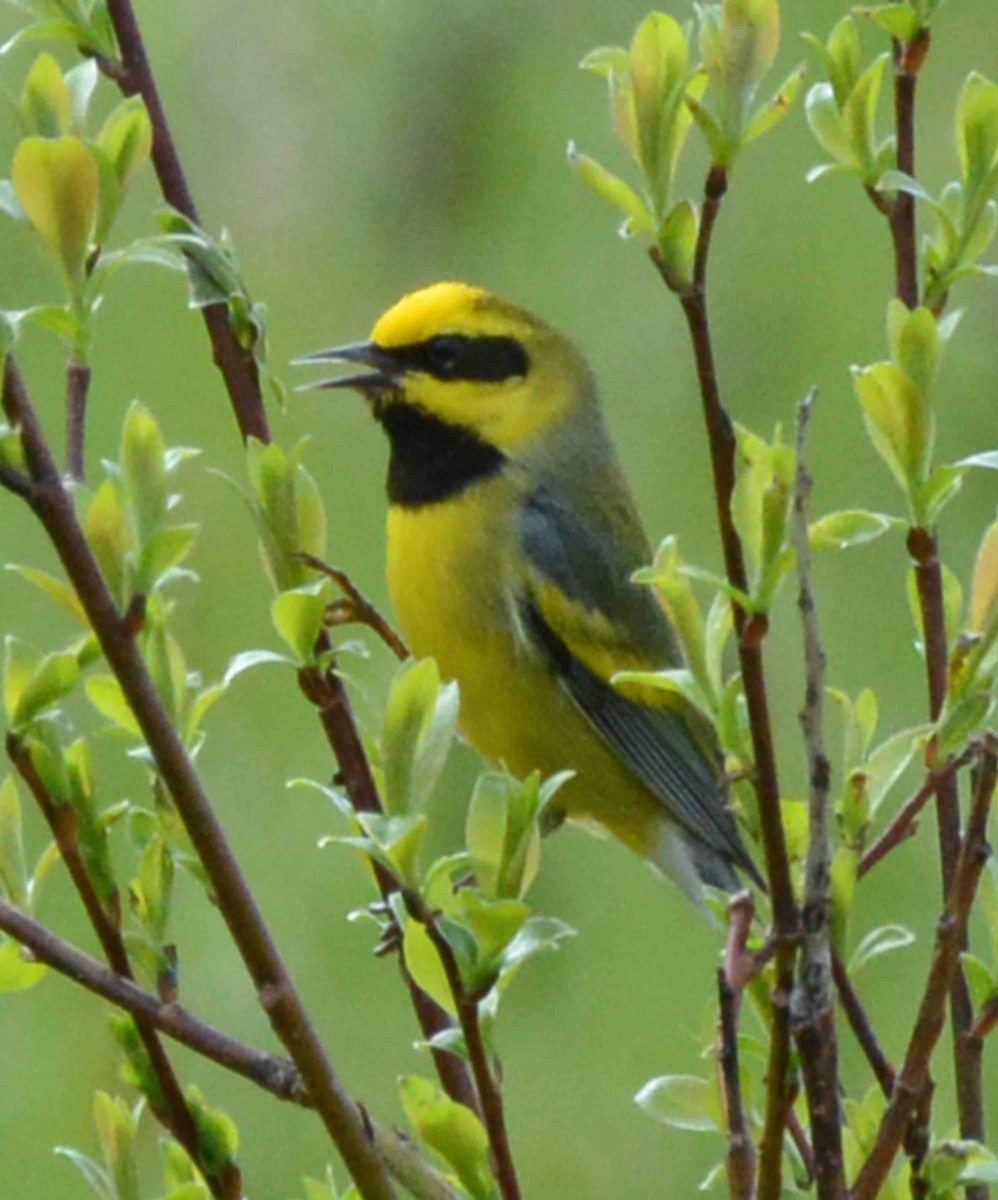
750 629
134 77
329 695
354 608
913 1077
275 1075
171 1108
54 508
486 1083
77 390
903 825
731 980
812 1005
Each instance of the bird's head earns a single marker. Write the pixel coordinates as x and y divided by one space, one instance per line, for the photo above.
463 357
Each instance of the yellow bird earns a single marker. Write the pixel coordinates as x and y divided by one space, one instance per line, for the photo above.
512 538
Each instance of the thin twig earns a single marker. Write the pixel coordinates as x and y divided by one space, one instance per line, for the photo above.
903 825
860 1024
486 1083
134 76
731 979
913 1076
77 390
172 1112
16 482
236 901
275 1075
812 1005
751 630
355 608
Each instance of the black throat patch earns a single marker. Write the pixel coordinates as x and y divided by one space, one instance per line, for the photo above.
431 460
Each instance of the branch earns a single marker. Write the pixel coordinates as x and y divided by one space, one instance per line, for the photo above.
328 693
134 77
236 902
77 390
750 629
489 1090
812 1006
275 1075
862 1028
903 825
355 608
17 483
914 1074
173 1112
731 980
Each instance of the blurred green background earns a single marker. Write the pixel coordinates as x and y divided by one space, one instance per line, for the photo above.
357 150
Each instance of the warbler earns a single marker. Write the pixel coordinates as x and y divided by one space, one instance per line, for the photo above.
511 541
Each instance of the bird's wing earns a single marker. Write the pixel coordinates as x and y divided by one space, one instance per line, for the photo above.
589 621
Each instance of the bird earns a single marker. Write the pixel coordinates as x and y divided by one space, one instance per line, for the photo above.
512 537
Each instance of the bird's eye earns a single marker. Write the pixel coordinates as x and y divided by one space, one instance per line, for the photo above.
443 355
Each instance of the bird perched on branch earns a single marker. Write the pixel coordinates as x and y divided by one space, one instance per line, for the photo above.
512 538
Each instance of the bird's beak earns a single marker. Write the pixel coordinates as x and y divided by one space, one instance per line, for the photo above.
383 377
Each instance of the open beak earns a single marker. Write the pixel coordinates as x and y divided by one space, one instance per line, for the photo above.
382 377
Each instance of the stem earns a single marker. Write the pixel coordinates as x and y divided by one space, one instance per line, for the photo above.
134 77
275 1075
332 702
902 212
951 930
236 902
173 1112
750 632
77 389
731 980
812 1005
862 1028
903 825
489 1091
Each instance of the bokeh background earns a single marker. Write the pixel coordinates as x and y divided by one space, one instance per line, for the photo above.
357 150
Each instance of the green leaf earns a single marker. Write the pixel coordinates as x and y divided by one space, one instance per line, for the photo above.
677 243
143 468
984 586
162 553
537 934
218 1138
46 107
980 980
17 972
612 190
423 964
58 186
117 1128
252 658
859 114
56 589
659 61
977 131
901 21
879 941
888 762
849 527
298 618
126 138
105 694
775 109
898 419
13 867
453 1131
33 683
110 536
416 734
682 1101
937 491
96 1178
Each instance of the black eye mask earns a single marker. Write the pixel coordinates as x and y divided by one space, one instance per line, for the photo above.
452 356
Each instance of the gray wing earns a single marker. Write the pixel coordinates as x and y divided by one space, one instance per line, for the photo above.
675 756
